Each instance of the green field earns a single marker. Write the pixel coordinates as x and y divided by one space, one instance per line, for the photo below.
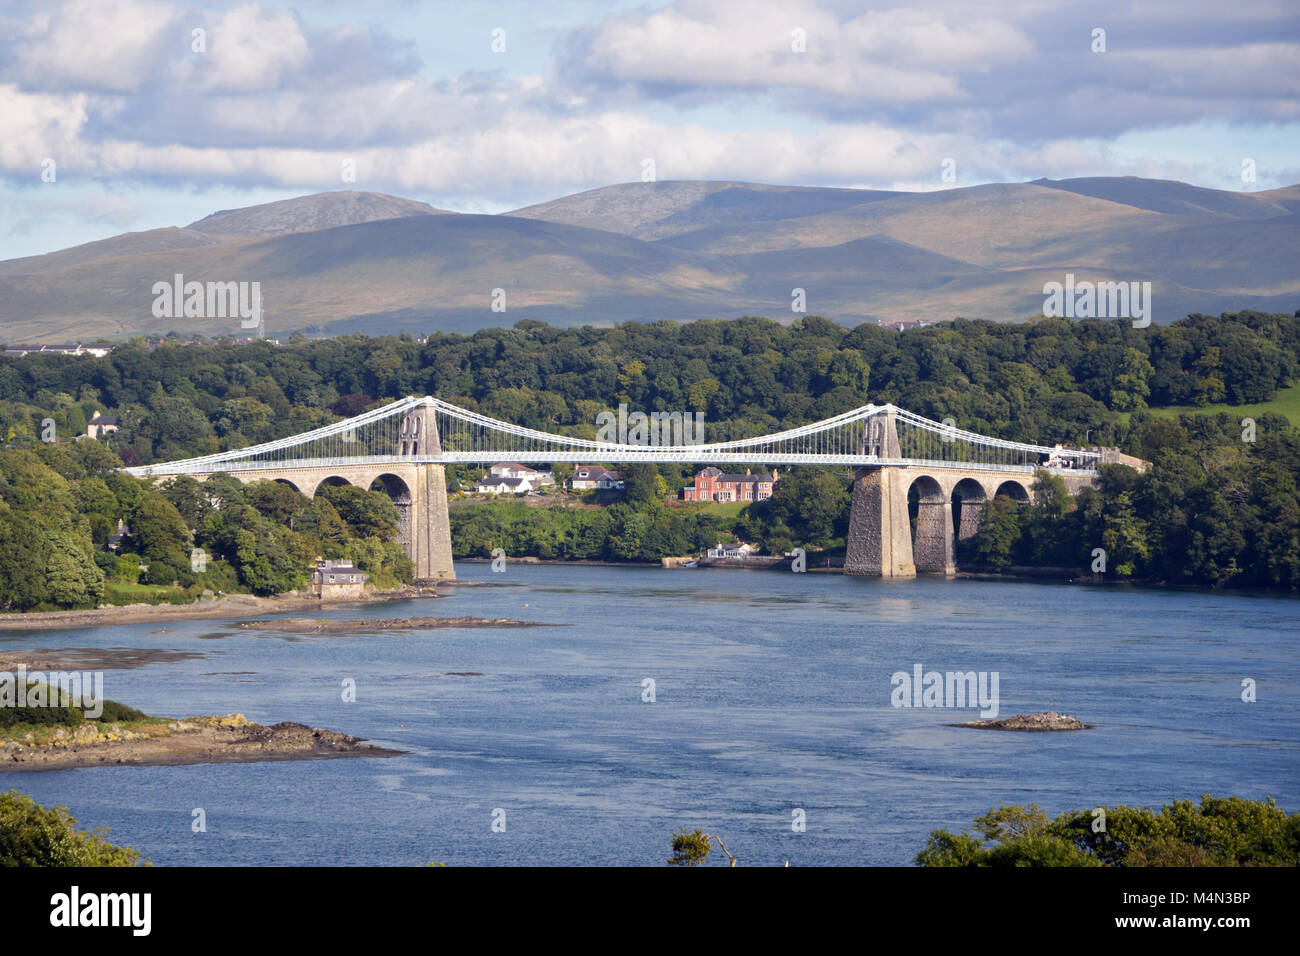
723 509
1286 402
121 593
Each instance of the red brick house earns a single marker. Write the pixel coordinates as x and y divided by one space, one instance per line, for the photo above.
712 485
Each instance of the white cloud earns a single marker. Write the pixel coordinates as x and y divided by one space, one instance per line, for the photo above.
539 155
36 126
899 55
882 98
248 49
95 45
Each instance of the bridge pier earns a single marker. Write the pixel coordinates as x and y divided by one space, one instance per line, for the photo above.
879 543
934 546
429 536
972 512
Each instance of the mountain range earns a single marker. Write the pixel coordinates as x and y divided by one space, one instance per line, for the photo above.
339 262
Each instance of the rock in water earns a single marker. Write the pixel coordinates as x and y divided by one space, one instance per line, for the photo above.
1046 720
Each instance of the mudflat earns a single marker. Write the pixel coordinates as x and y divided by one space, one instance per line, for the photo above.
303 625
227 606
197 740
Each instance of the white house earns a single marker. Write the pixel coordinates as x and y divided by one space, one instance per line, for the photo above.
510 469
742 550
101 424
587 477
488 485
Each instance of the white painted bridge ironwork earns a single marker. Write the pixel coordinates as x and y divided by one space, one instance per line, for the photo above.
391 434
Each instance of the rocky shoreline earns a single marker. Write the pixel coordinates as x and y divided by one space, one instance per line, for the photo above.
226 606
196 740
1044 721
91 658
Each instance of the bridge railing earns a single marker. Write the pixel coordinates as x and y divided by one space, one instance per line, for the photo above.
374 438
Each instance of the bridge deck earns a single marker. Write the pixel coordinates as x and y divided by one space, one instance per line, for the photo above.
650 456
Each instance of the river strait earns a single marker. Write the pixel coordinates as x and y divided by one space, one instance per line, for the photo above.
771 694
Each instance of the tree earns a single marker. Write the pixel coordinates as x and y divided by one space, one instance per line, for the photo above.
366 512
996 542
24 554
189 498
640 484
1219 832
159 535
1131 390
31 835
265 564
276 500
692 849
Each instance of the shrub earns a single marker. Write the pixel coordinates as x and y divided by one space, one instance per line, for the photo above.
128 568
107 562
40 716
117 713
30 835
1219 832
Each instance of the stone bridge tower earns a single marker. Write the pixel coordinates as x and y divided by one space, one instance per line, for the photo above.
426 525
880 532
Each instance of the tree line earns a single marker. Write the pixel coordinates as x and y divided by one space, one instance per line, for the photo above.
1214 510
1047 380
61 503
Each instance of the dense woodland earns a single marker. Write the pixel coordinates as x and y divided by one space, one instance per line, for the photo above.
1046 381
1214 510
59 504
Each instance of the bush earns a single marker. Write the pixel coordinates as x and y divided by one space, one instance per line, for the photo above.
40 716
107 562
120 713
128 569
1220 832
119 595
30 835
159 573
111 712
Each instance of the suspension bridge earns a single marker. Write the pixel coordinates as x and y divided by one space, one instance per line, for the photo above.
403 448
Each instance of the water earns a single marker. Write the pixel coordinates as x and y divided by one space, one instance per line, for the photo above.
773 693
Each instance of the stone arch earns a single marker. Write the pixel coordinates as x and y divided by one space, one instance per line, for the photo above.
333 481
400 493
1014 490
291 484
968 501
932 534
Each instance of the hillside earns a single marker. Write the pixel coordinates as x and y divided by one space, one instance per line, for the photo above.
344 261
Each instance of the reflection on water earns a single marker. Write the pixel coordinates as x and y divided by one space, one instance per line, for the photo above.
772 693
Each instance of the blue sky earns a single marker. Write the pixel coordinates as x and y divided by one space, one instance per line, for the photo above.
145 131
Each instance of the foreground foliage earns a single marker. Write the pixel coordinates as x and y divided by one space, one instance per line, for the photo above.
1221 831
31 835
692 849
